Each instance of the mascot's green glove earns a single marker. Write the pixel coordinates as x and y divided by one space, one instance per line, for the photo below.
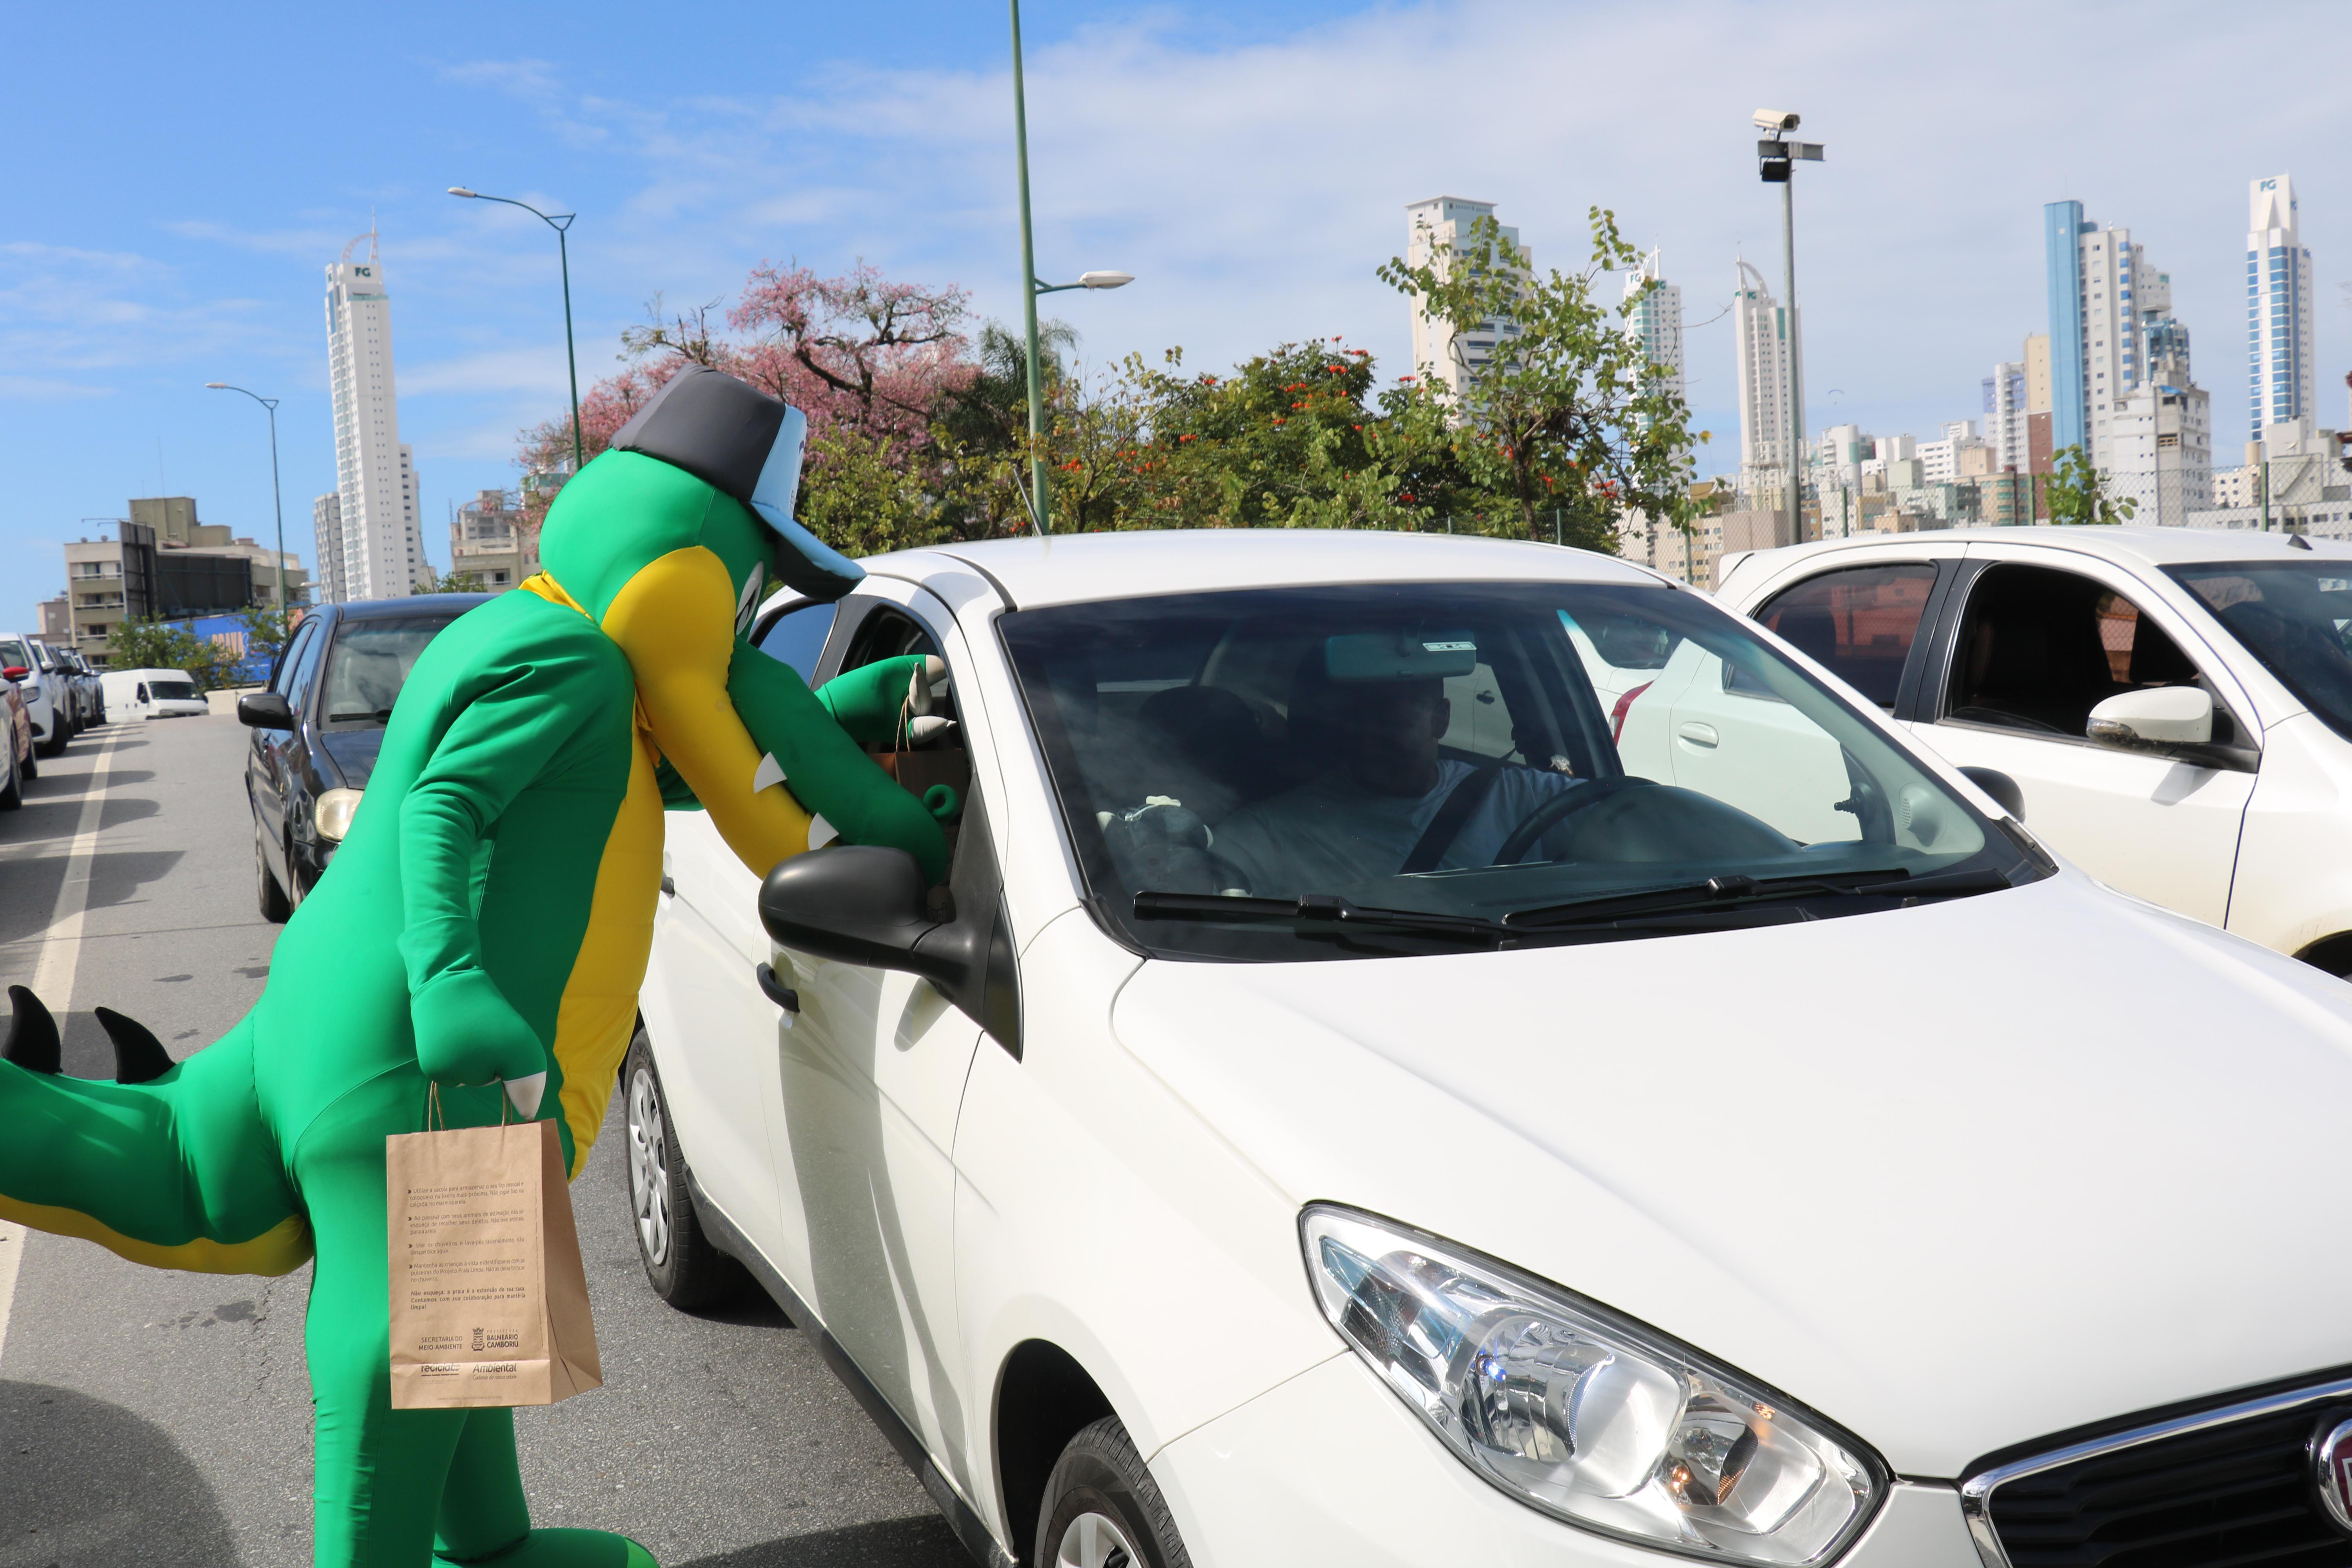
468 1033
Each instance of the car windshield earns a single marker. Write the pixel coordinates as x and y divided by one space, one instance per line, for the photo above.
2294 617
1389 768
172 690
367 664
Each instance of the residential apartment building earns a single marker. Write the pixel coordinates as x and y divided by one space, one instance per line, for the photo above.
1939 460
164 562
1655 321
327 534
2163 452
382 553
1447 225
490 542
2110 317
2004 415
2282 380
1761 346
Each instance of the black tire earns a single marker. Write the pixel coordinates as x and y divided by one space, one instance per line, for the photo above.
32 764
681 1265
1103 1509
56 745
275 906
13 795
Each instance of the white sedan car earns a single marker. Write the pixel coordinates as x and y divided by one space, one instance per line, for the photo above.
1360 1100
2173 705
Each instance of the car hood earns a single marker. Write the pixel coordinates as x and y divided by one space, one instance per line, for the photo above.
353 753
1956 1176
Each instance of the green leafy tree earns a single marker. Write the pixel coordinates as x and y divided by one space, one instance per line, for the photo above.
1568 412
143 644
452 581
266 631
2078 492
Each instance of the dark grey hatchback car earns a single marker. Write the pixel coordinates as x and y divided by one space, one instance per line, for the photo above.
317 728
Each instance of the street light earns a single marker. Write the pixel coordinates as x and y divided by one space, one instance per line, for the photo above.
559 222
1776 160
276 499
1039 511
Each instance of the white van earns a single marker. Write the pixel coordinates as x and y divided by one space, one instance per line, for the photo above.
152 694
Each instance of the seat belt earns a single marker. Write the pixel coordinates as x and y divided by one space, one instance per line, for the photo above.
1451 813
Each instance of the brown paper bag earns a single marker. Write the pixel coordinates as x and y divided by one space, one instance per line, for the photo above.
489 1303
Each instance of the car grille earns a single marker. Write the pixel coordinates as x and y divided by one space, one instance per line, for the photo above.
2237 1492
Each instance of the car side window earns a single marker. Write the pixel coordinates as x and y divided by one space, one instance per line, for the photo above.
2039 649
797 638
1859 623
305 669
283 681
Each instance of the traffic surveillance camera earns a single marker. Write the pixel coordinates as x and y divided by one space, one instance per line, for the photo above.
1775 120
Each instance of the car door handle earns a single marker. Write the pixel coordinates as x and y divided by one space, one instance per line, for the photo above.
1699 734
781 994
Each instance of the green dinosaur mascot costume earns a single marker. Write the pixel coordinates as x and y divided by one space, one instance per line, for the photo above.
485 925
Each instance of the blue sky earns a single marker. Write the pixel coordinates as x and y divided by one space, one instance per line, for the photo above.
179 176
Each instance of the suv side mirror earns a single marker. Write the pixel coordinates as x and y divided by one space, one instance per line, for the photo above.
264 710
861 903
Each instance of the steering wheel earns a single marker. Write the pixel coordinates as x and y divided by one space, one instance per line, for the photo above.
1566 803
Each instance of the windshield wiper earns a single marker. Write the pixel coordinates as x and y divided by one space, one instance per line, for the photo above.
1313 909
1718 892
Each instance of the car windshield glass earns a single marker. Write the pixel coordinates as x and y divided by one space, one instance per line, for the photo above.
367 664
1464 761
172 690
2294 616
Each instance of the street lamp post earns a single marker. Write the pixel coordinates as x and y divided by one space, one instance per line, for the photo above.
1039 500
1776 158
559 223
276 498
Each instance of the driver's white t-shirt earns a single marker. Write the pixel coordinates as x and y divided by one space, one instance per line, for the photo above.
1331 833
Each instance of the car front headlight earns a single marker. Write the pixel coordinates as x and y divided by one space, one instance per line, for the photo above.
1584 1415
335 810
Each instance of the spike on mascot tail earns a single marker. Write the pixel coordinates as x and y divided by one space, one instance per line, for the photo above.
484 928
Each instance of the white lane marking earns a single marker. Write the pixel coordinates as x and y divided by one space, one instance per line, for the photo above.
53 976
12 1247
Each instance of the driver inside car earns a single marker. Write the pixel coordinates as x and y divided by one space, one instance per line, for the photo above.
1391 802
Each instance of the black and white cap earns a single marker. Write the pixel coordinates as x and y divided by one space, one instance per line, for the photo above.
738 439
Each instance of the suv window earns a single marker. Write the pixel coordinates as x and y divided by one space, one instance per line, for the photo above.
796 638
1859 623
2041 647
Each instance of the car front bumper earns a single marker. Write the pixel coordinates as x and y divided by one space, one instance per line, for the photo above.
1331 1467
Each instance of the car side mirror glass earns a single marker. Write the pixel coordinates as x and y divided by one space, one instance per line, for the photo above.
264 710
2159 719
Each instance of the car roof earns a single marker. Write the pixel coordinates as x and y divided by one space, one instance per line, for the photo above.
2127 544
451 604
1079 567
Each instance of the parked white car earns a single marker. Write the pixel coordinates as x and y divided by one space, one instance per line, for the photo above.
40 680
2174 705
1346 1112
152 694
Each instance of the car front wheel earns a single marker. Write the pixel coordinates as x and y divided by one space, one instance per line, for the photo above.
681 1265
270 896
1103 1509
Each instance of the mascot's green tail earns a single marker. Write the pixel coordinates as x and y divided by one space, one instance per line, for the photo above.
169 1165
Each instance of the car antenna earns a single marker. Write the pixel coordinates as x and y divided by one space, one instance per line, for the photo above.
2297 541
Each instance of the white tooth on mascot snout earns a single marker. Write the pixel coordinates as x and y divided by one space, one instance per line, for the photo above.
526 1092
821 833
769 771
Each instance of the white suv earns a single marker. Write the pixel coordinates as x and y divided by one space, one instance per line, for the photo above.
2173 705
1346 1107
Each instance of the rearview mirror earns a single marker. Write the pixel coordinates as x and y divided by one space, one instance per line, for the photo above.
2155 719
15 672
264 710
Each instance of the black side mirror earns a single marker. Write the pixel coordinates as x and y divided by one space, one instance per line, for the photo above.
2001 786
857 903
264 710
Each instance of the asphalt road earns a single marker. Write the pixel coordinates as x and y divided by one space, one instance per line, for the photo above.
161 1418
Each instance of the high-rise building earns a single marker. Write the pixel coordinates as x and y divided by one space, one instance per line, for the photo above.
1656 318
1939 461
2281 382
327 531
490 542
382 553
1761 334
1448 223
2110 318
2004 415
